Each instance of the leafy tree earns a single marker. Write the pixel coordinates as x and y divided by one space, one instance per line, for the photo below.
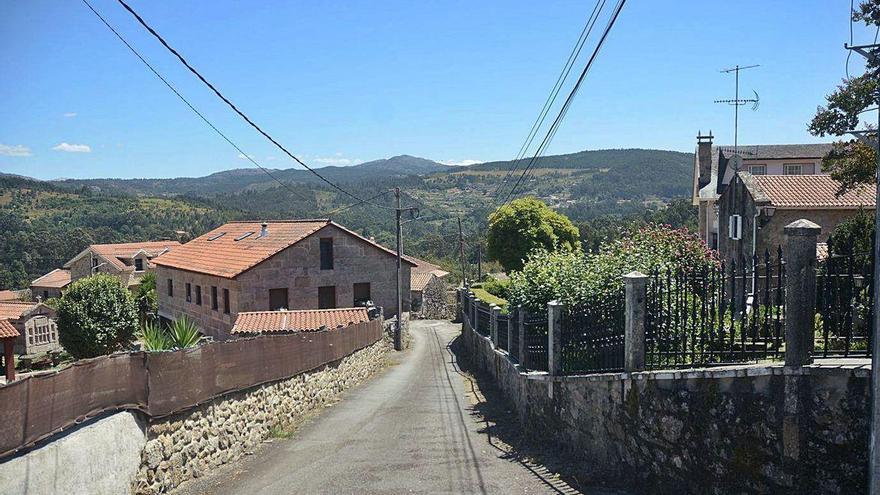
524 225
96 316
855 235
851 162
147 302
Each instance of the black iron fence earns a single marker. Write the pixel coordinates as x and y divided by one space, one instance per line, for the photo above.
844 305
535 339
592 337
513 328
502 321
731 313
482 323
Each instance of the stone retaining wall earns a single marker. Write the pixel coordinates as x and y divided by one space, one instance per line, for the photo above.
752 429
190 444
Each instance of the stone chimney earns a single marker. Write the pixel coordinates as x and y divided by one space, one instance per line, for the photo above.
264 229
704 159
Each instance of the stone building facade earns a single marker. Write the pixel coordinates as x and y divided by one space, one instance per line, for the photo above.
212 281
35 323
766 204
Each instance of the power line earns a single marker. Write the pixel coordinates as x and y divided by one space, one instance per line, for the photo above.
188 104
564 110
554 92
347 207
232 105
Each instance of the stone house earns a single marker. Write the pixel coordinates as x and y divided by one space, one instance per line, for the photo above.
296 264
127 261
754 210
716 166
428 282
50 285
35 323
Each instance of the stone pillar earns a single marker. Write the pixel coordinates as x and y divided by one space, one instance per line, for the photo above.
521 324
473 307
554 337
635 288
493 324
800 290
458 297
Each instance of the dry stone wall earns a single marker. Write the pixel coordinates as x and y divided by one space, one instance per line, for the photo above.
190 444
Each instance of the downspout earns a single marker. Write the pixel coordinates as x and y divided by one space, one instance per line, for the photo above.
754 243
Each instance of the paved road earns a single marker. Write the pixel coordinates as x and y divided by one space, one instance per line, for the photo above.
410 430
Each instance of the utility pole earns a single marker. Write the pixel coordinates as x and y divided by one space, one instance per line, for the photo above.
461 254
737 102
479 262
871 52
398 330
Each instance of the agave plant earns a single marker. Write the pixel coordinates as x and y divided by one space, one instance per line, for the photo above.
184 333
154 337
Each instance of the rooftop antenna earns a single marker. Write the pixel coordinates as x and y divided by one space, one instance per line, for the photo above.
738 102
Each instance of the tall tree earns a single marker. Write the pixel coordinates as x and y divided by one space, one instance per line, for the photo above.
524 225
96 315
851 162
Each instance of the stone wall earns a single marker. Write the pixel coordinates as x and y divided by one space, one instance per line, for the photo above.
434 301
751 429
188 445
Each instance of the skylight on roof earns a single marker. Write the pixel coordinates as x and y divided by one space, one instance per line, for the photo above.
244 236
215 237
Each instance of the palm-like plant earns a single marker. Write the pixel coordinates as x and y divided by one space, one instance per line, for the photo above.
184 333
154 337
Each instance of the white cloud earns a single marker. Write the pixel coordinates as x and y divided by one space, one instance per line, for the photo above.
73 148
16 150
70 115
271 158
337 161
242 156
460 163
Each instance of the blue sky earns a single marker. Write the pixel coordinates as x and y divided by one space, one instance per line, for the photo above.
344 82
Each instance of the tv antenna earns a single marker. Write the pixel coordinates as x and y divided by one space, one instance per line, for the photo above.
738 102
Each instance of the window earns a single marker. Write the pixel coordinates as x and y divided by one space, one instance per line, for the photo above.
278 299
734 227
170 288
45 295
244 236
758 169
327 297
793 169
327 253
94 262
214 303
361 293
138 264
188 292
199 295
226 301
216 236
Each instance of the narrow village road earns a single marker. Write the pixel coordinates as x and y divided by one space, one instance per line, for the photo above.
410 430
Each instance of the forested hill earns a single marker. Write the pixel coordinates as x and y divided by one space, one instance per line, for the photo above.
46 223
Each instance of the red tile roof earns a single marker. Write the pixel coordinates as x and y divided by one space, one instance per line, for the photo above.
57 278
227 257
9 295
111 253
308 320
811 192
420 280
12 310
423 266
7 331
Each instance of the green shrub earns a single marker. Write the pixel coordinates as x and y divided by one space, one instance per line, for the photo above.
498 288
184 333
575 279
96 315
154 338
180 334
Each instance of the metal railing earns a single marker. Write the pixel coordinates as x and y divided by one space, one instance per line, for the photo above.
535 339
592 337
732 313
502 323
513 329
844 305
483 318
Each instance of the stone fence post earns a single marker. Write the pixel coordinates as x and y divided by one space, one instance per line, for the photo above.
800 290
635 284
493 324
521 325
554 337
459 296
473 308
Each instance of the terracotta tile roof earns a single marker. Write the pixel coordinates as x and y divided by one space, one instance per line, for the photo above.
809 192
111 253
57 278
420 280
7 331
227 257
10 310
308 320
9 295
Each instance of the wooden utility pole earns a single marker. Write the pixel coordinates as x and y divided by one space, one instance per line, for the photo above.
398 343
461 254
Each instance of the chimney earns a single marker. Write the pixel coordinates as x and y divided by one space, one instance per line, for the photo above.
264 229
704 158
